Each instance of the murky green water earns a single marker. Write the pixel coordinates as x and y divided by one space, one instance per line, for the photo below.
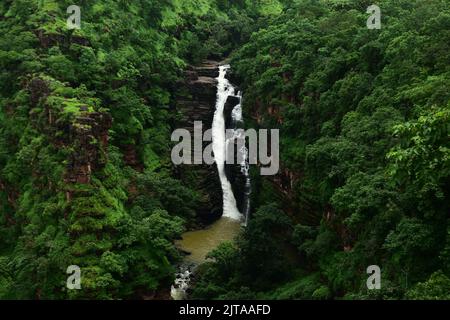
199 243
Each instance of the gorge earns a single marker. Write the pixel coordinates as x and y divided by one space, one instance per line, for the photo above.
87 178
199 243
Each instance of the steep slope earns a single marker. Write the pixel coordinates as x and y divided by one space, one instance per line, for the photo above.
363 118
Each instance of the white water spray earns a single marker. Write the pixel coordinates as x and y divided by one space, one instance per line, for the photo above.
224 90
237 118
179 289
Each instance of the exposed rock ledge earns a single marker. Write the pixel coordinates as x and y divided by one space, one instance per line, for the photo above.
195 101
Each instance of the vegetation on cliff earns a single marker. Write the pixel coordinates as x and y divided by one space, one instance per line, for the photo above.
364 122
85 123
85 171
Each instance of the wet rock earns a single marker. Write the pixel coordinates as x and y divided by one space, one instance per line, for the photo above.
233 77
232 102
234 171
195 101
237 180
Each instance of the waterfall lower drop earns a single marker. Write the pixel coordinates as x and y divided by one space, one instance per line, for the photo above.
224 90
239 136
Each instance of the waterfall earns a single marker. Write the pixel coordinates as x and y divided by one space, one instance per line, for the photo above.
224 90
245 167
179 290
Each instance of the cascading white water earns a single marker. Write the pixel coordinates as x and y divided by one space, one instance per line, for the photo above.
179 289
239 135
224 90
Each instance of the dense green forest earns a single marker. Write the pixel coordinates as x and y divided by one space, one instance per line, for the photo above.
86 177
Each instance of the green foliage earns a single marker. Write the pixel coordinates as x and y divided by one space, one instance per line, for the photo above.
305 287
435 288
66 196
363 116
423 154
258 263
85 122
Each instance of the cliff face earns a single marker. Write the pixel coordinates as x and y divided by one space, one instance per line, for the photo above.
89 135
195 101
196 96
82 131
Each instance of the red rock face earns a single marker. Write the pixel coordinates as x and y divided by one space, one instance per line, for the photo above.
85 133
130 157
89 136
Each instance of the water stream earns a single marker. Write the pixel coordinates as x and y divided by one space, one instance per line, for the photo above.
239 135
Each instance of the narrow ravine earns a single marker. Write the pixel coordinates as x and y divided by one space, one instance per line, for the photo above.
200 242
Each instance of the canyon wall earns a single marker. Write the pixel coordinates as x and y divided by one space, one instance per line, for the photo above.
195 101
